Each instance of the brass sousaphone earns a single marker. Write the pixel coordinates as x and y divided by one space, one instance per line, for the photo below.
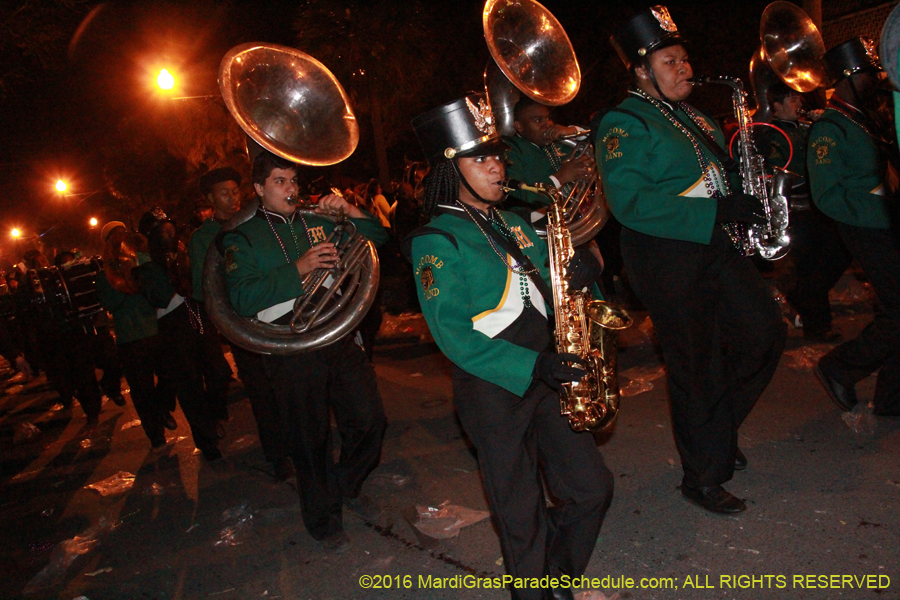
292 105
533 56
791 50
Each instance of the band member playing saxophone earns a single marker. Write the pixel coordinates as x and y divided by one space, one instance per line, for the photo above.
720 330
481 272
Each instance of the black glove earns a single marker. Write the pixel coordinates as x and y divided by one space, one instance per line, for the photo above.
554 370
740 208
583 269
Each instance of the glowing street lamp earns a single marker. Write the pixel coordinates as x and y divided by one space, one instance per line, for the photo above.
93 221
61 186
165 80
15 232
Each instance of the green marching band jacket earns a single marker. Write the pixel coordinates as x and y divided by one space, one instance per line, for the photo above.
473 303
200 242
529 163
261 281
651 176
849 177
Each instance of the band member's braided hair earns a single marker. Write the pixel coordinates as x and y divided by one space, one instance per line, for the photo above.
441 185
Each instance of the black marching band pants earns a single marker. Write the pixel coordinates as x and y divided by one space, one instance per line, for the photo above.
721 334
877 253
518 439
269 411
820 260
336 379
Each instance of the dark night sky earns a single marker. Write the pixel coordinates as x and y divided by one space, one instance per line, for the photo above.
54 123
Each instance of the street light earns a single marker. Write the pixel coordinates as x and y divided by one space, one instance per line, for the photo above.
15 232
165 80
61 186
93 221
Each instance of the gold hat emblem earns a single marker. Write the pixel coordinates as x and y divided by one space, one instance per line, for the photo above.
484 118
871 52
665 19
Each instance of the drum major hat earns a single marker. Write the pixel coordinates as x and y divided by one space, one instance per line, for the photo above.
462 128
646 32
853 56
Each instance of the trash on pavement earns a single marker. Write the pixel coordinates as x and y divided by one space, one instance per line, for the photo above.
240 524
861 419
805 357
115 484
245 441
130 424
24 432
14 389
85 443
154 490
98 572
64 554
639 379
445 521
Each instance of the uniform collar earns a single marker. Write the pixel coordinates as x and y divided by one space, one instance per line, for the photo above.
643 96
455 210
261 213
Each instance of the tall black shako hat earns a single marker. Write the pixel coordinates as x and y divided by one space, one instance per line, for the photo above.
853 56
646 32
462 128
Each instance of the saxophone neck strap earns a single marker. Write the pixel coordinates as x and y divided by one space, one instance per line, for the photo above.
513 250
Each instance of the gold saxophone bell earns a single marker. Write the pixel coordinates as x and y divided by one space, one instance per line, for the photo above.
585 327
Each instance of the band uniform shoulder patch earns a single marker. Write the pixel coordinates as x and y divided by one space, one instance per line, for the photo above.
611 143
822 147
425 272
230 265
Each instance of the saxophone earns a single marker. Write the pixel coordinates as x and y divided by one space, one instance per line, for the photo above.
585 327
771 240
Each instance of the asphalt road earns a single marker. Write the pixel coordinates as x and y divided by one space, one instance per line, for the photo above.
822 500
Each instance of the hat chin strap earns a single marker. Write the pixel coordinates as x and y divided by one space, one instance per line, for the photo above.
468 187
646 64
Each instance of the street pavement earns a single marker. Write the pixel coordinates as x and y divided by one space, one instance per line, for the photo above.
822 499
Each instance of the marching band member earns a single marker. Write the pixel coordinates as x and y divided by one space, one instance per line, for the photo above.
536 156
221 188
266 259
721 332
854 183
483 304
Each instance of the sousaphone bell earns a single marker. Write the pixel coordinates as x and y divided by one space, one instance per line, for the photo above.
533 56
290 104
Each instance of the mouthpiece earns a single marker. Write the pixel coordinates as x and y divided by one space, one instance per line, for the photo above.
511 185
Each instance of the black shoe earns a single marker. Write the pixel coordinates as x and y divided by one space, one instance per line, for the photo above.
844 397
284 469
364 507
118 399
336 542
561 593
168 421
740 461
714 499
212 453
